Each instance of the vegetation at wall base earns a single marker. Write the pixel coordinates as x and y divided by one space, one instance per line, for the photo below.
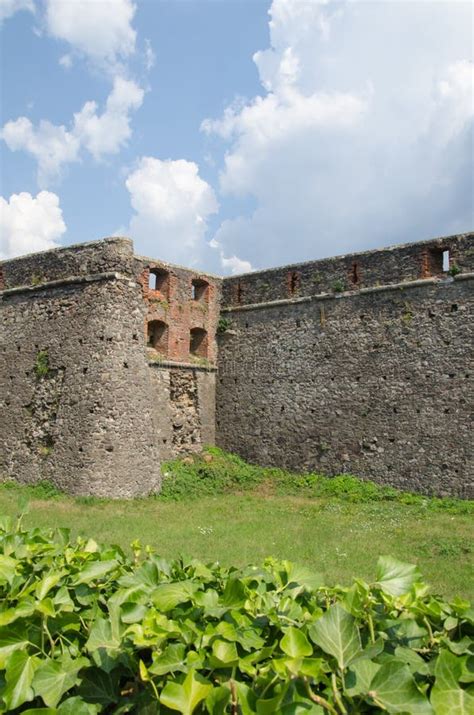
218 472
85 629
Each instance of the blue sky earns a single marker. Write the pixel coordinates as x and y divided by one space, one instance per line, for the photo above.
235 134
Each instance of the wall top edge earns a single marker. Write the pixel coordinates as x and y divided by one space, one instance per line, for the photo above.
73 248
195 271
127 244
405 285
438 241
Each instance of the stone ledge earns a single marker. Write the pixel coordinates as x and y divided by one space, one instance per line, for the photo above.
70 280
181 365
404 285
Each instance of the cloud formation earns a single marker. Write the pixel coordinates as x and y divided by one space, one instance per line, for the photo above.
10 7
353 143
172 204
100 31
29 223
99 134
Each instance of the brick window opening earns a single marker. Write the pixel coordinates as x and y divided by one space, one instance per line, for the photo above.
294 282
433 262
159 280
355 273
198 342
445 261
158 336
200 290
240 292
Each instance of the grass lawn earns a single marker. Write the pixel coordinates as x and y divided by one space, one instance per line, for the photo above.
336 537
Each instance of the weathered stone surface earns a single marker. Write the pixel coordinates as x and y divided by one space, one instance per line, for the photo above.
378 383
357 364
80 402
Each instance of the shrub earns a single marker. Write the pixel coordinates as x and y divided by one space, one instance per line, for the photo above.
85 629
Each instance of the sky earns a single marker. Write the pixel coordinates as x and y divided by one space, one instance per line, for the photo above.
234 135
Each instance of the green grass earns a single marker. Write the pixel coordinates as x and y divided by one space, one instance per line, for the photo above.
235 513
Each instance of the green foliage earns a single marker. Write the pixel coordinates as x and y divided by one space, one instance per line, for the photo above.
43 489
454 270
84 629
223 324
214 472
217 472
338 286
41 366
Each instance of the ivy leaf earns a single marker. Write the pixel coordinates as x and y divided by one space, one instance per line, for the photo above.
447 696
99 687
393 686
337 634
169 595
77 706
7 568
11 639
217 700
225 652
184 697
295 644
95 570
19 675
171 660
44 586
396 577
361 673
54 678
100 636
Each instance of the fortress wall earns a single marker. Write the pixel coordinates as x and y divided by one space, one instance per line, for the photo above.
106 411
81 417
351 272
377 383
184 408
108 255
181 306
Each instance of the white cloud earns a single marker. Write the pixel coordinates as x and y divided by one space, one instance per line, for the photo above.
172 204
29 224
10 7
100 30
106 133
150 57
66 61
52 146
100 134
353 143
232 264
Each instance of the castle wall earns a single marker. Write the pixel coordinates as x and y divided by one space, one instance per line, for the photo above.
376 381
83 401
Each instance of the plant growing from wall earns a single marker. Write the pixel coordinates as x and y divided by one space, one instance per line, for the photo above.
41 366
454 270
223 325
338 286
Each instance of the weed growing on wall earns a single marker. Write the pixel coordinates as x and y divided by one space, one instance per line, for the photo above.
41 366
85 629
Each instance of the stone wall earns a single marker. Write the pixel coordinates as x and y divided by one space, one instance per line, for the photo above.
376 381
83 401
357 364
352 272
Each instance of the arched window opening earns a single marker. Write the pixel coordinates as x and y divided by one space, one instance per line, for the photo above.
158 336
199 290
294 282
198 342
159 280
